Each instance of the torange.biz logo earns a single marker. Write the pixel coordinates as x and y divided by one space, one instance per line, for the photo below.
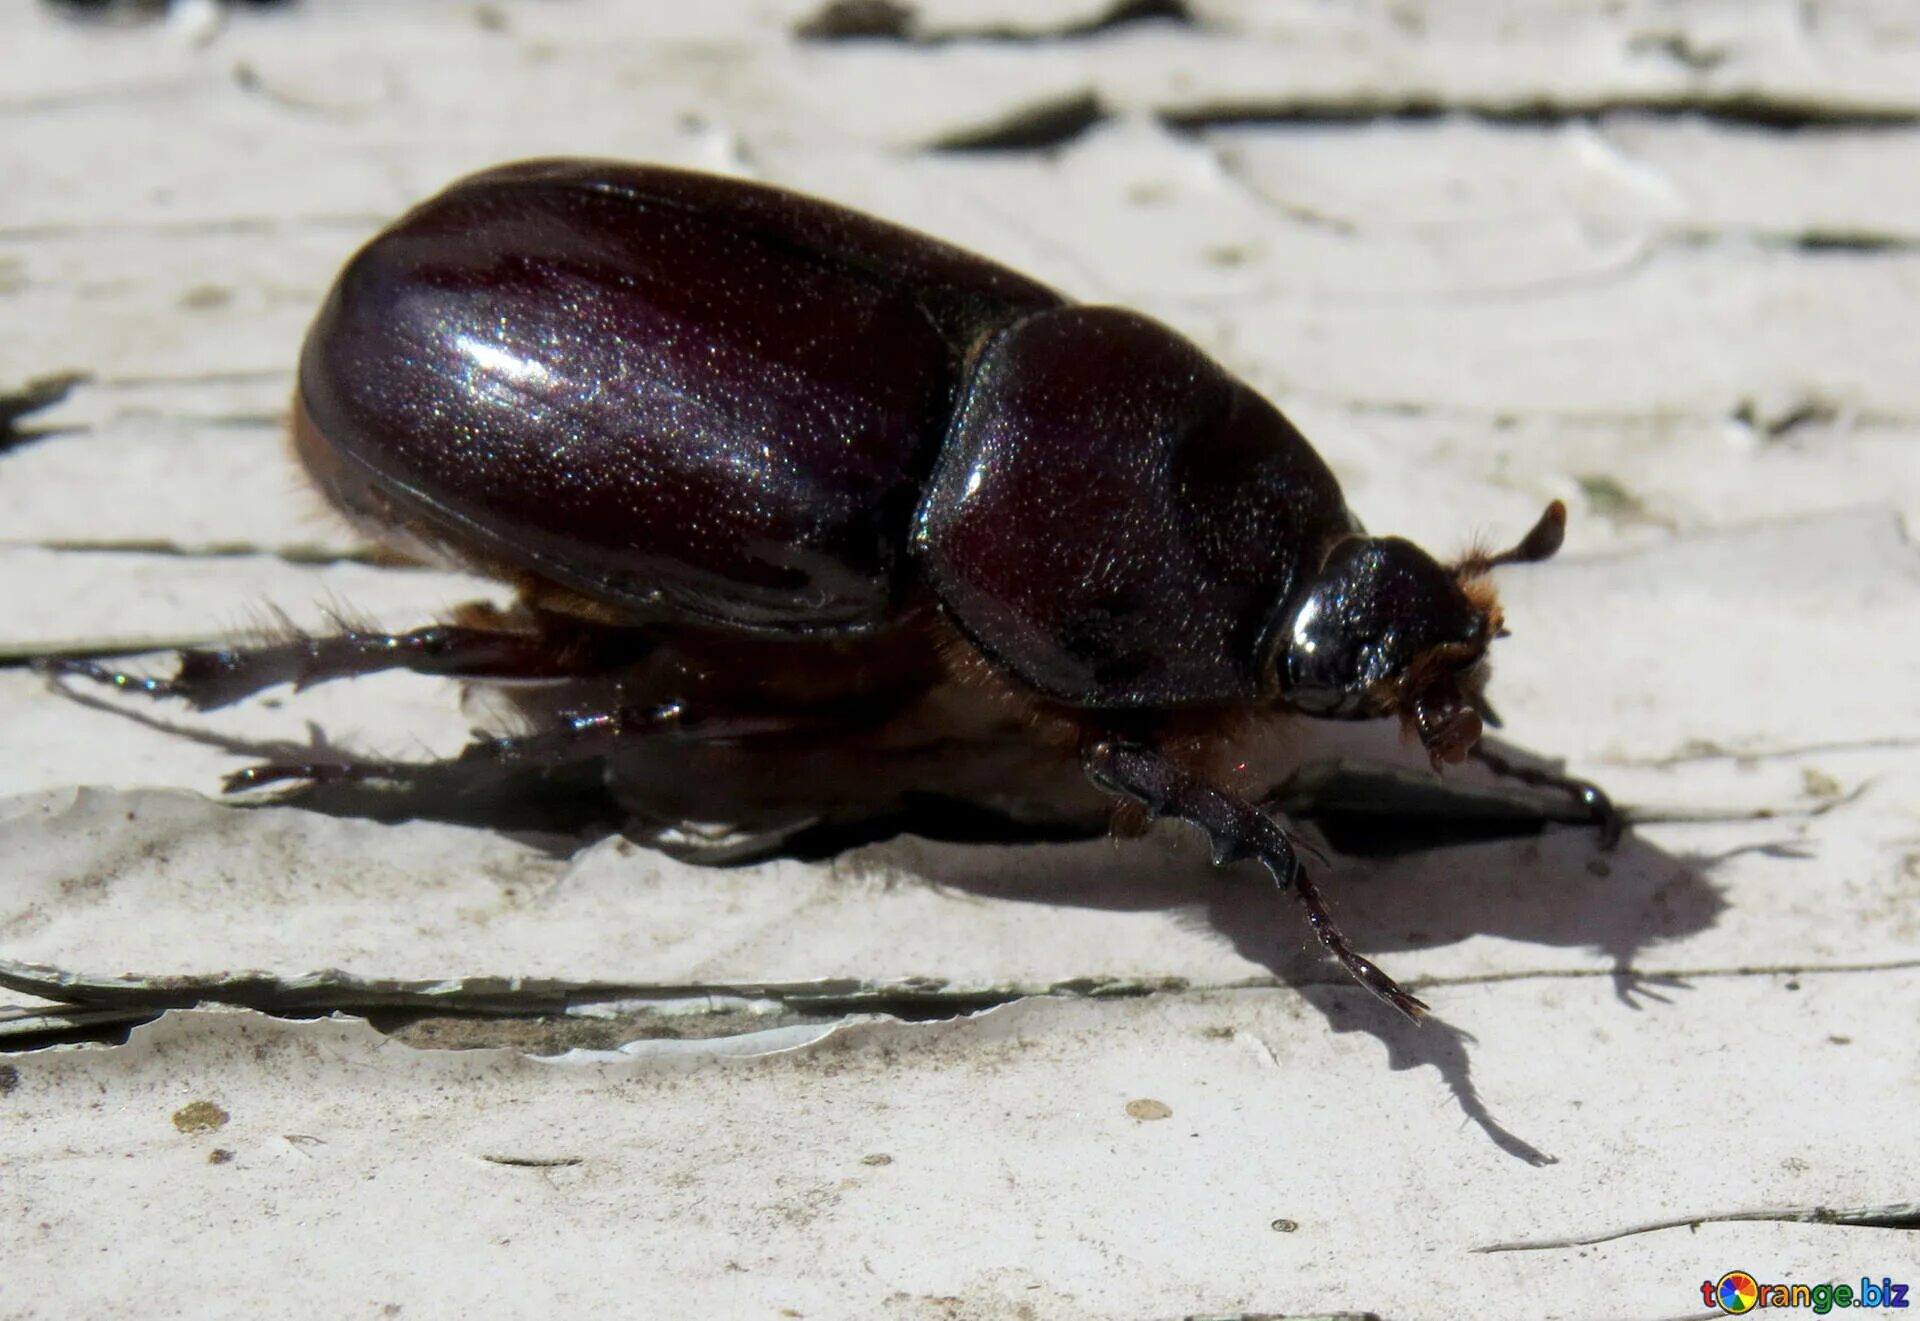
1738 1292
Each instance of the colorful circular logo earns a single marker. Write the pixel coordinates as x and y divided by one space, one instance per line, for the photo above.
1737 1292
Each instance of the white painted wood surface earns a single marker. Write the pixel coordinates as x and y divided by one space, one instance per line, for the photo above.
1658 259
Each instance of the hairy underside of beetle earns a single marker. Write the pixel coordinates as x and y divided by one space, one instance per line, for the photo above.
844 729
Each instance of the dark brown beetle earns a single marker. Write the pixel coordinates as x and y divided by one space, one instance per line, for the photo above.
805 509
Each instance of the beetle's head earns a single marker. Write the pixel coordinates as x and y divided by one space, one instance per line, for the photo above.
1384 629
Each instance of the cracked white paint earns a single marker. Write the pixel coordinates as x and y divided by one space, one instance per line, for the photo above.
1698 333
886 1166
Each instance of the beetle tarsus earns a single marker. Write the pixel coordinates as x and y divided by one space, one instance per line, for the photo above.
1236 829
207 679
94 671
1605 816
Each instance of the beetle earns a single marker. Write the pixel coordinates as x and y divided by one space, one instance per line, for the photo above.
804 508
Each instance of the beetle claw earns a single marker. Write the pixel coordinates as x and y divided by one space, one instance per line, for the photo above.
95 672
1603 815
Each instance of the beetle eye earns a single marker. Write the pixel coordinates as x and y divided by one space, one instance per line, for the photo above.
1380 626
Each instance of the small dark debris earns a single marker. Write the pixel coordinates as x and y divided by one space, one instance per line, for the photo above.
220 1156
854 20
1863 242
1037 127
1608 498
889 20
1802 413
1284 1226
877 1158
535 1162
9 1079
1142 11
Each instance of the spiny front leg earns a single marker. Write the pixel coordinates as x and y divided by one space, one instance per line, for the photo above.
1237 829
208 679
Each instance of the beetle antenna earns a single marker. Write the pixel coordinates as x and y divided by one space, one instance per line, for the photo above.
1539 544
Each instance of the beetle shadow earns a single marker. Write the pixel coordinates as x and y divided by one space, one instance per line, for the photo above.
1411 862
1397 883
1552 889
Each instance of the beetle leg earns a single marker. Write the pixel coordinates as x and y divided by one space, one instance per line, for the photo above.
1606 817
1237 829
579 736
207 679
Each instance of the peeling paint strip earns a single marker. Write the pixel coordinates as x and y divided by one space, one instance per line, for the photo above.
332 989
1747 109
746 1045
24 1029
1056 121
910 999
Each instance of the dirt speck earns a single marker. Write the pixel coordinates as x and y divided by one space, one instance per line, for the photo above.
877 1158
9 1079
220 1156
1146 1109
205 297
199 1117
1818 784
1607 498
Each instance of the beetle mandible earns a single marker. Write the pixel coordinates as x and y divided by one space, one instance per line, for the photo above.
804 507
